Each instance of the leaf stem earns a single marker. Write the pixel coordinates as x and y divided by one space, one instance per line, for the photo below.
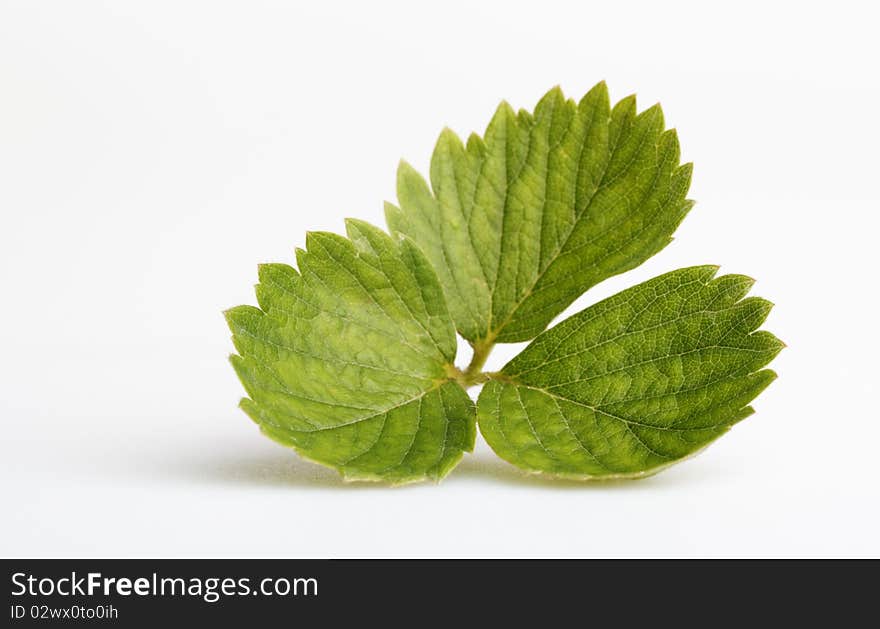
472 374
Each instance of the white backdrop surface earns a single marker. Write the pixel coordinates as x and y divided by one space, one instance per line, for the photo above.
153 153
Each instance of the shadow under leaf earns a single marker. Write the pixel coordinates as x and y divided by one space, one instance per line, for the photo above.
279 467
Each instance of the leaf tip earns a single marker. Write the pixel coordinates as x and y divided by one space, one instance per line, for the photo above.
264 269
314 240
447 142
392 214
301 256
765 379
626 104
475 143
599 92
448 135
505 107
552 98
653 115
230 314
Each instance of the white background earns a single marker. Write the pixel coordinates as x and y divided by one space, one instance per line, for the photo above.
152 154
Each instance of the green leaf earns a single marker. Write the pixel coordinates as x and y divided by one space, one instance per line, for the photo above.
348 361
634 383
521 222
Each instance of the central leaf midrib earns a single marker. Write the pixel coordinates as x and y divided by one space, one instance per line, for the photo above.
495 333
377 413
599 409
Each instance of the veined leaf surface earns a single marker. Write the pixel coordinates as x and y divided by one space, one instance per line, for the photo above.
634 383
522 221
348 359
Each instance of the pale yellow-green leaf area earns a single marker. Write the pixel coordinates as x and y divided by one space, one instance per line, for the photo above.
347 359
634 383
